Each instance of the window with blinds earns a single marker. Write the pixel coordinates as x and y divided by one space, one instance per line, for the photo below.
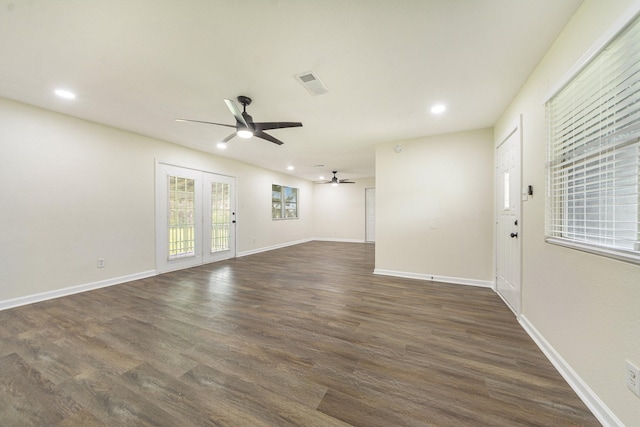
594 153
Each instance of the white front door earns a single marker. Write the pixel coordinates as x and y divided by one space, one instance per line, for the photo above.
195 217
508 227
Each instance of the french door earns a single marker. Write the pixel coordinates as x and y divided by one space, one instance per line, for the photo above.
195 217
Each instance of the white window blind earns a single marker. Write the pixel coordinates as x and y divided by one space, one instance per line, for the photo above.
594 153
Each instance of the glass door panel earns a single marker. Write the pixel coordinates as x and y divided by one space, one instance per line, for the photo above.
220 216
182 237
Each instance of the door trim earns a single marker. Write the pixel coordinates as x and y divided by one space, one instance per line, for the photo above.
369 230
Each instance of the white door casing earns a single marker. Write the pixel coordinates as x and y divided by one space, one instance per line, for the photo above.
189 217
508 221
370 214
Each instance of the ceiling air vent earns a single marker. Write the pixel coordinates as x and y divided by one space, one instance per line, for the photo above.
312 83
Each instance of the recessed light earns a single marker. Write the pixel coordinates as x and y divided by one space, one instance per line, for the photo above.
321 177
222 145
290 168
62 93
438 109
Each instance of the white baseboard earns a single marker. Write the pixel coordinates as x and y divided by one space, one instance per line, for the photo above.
585 393
435 278
270 248
30 299
328 239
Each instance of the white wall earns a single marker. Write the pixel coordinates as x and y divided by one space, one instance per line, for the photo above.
339 212
434 207
72 191
586 307
256 230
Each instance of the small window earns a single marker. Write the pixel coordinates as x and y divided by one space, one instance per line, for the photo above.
594 154
507 192
284 202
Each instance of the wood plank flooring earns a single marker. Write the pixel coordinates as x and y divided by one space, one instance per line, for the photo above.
300 336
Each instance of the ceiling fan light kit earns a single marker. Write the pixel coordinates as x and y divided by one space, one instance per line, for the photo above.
245 133
245 126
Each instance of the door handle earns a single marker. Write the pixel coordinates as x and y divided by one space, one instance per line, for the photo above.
514 235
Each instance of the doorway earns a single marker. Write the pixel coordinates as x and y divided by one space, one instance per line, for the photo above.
195 217
508 221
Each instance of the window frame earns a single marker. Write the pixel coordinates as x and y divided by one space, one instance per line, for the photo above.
281 212
558 201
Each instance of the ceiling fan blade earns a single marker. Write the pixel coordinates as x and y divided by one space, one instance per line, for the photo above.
336 181
268 137
236 112
208 123
227 139
276 125
342 181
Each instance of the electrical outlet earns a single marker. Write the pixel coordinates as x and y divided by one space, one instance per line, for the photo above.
633 378
100 262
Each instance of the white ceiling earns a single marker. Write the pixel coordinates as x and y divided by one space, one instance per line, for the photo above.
139 64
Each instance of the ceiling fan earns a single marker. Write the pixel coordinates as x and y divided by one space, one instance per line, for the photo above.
336 181
245 126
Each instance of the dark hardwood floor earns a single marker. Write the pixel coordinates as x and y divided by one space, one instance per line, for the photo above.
304 335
